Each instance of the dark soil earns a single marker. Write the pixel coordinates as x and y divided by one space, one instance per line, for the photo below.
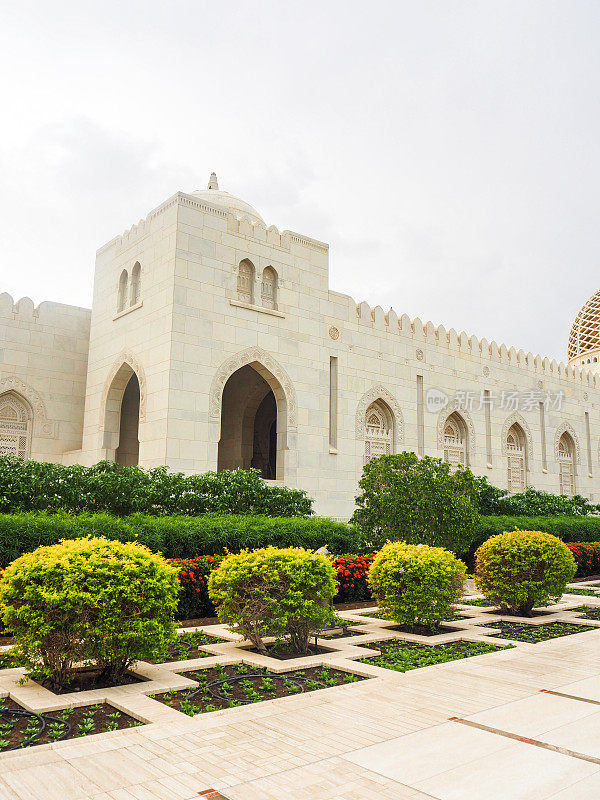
189 645
5 639
424 630
90 678
478 601
403 656
240 684
282 651
343 634
505 612
199 622
27 731
522 632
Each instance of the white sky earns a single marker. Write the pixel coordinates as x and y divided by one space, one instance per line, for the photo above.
447 151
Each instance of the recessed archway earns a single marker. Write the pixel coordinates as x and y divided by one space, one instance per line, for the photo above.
123 409
128 452
253 423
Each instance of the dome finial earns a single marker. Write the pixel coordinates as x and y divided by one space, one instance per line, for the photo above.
213 183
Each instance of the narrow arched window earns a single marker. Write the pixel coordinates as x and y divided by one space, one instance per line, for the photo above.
268 289
455 441
517 459
566 465
122 297
245 281
15 426
136 284
379 431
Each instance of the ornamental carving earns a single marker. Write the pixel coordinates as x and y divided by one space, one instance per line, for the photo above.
379 393
420 355
12 383
486 372
454 407
334 333
564 427
508 423
127 358
251 356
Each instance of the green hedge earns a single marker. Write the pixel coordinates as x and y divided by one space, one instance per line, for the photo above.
569 529
40 486
176 536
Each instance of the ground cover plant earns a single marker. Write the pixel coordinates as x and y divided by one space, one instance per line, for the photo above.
27 485
483 602
520 570
403 656
416 585
522 632
285 593
93 601
584 592
241 684
19 728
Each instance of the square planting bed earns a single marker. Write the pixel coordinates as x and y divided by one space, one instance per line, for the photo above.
20 728
241 684
589 612
403 656
522 632
189 645
584 592
483 602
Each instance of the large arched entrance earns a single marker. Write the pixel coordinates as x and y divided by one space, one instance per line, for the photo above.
128 452
252 424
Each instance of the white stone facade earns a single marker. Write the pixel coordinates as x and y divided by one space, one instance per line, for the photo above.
215 341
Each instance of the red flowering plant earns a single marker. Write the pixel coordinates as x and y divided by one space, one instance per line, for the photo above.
587 557
352 572
193 578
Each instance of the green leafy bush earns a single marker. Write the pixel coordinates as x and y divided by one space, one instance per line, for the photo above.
176 536
417 501
274 592
568 529
34 485
89 600
530 503
520 570
416 584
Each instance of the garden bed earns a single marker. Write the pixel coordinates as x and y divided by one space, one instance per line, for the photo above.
189 645
482 602
522 632
585 592
88 678
403 656
589 612
240 684
282 652
26 729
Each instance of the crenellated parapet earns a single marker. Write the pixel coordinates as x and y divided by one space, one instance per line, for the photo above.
428 333
46 313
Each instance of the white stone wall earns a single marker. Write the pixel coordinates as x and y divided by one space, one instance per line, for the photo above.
189 332
43 359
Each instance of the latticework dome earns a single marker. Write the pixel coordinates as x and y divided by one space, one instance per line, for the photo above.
584 339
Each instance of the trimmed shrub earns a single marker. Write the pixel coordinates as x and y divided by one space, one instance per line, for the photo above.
587 558
530 503
519 570
42 486
352 574
176 536
417 501
89 600
284 593
416 584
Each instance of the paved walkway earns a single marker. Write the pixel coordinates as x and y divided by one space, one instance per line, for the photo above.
481 727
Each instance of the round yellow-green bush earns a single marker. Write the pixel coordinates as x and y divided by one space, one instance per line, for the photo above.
519 570
284 593
89 600
416 584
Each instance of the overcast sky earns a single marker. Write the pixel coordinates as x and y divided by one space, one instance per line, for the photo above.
449 152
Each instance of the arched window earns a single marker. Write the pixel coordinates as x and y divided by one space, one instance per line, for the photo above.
122 299
245 281
517 459
136 284
455 441
379 431
268 289
15 426
566 465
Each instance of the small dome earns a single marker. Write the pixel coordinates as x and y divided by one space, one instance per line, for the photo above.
218 198
584 338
